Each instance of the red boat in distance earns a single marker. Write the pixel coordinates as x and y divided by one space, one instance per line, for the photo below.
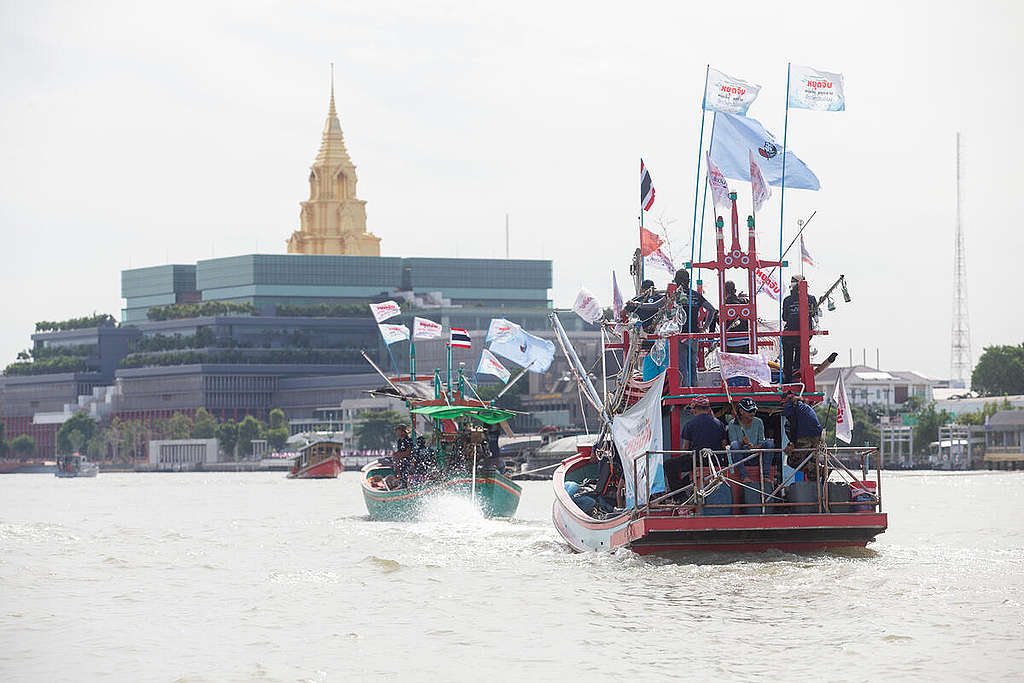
317 460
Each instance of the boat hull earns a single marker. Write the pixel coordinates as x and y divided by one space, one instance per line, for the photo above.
663 533
326 469
496 495
90 470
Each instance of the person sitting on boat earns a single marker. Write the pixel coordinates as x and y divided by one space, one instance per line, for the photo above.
791 323
804 432
747 433
737 344
702 431
600 494
694 314
402 460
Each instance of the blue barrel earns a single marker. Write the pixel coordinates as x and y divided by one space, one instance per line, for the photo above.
754 497
720 496
839 499
802 492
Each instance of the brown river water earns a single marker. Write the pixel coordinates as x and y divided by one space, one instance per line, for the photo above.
225 577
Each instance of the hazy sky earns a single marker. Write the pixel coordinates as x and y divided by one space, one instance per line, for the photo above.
143 133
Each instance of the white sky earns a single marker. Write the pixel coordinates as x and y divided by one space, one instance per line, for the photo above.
141 134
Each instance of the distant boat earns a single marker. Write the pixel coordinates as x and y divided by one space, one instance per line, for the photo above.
317 460
75 465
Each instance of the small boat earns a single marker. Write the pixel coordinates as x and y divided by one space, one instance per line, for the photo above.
75 465
460 459
317 460
738 500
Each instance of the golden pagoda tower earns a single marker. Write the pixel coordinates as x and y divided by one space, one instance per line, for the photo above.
333 220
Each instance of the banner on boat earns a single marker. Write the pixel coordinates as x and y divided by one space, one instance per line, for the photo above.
813 89
654 256
766 284
489 365
736 136
635 432
426 329
727 94
844 416
616 299
384 310
587 306
527 351
750 365
501 330
760 190
393 333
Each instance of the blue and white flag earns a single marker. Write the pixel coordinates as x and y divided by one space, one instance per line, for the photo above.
727 94
813 89
737 136
489 365
527 351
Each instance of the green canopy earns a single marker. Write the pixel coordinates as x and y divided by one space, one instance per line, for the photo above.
487 415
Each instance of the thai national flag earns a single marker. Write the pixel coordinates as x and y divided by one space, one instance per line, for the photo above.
805 256
460 338
646 188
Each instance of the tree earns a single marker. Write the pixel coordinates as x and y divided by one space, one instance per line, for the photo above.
227 433
248 429
376 431
277 438
278 419
24 447
999 371
79 422
3 442
927 430
179 426
204 425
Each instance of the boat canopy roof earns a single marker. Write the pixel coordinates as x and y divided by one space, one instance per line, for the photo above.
486 415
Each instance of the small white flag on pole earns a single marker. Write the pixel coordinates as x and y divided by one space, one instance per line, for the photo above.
758 187
719 186
766 284
813 89
617 302
501 330
587 306
393 333
844 416
727 94
384 310
426 329
489 365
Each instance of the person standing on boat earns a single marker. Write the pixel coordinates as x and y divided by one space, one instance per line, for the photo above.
747 433
738 344
701 431
402 462
791 323
689 304
804 431
646 305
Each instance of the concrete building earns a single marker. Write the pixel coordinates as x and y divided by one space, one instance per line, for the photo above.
183 453
1004 440
868 386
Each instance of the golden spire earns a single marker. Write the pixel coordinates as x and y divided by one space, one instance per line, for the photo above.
332 144
332 111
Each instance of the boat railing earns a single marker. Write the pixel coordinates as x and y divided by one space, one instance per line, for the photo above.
722 468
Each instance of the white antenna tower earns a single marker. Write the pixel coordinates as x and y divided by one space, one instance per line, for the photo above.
960 339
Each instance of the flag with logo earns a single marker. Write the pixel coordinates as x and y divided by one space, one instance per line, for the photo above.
760 190
460 339
844 416
426 329
750 365
813 89
735 136
636 432
384 310
502 330
489 365
393 333
719 186
727 94
766 284
527 351
805 255
646 188
617 302
653 254
587 306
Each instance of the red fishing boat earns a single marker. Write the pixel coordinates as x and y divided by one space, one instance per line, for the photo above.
317 460
730 500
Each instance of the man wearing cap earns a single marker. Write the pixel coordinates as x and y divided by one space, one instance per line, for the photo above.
689 304
804 431
646 305
791 323
703 430
747 433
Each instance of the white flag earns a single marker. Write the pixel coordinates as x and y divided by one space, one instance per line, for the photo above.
527 351
758 187
719 186
635 432
813 89
616 299
490 365
587 307
727 94
393 333
766 284
426 329
751 365
384 310
844 416
501 330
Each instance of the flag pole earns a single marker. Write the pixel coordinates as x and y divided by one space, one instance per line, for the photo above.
641 232
412 358
700 151
782 211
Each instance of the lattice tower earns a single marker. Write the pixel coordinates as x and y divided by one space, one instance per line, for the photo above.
960 339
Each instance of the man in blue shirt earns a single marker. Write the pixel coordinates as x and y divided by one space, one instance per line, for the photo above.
746 433
703 430
804 431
